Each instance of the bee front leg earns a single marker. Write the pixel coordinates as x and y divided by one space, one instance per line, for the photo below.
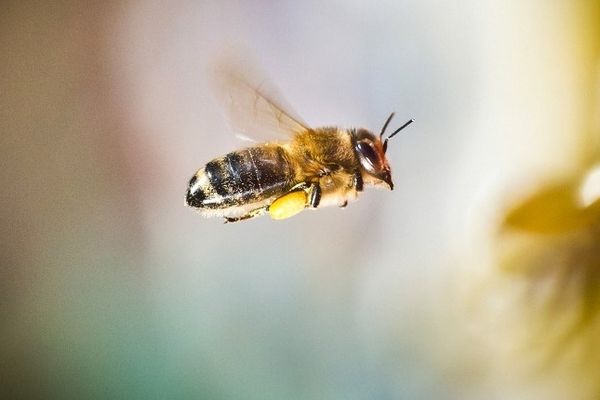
357 181
355 186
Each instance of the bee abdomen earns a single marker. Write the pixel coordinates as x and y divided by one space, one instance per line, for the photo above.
240 177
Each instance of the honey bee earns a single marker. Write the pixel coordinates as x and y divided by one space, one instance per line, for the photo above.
312 168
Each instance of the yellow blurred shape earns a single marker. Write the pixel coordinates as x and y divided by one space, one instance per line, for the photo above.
288 205
590 187
557 251
554 209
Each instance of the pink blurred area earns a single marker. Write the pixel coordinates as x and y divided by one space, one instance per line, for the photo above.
111 288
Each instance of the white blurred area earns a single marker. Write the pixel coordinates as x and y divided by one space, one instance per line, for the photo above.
113 288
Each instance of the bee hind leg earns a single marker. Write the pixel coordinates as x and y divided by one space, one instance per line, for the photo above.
294 201
251 214
290 203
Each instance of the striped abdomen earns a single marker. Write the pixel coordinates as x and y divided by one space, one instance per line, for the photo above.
241 179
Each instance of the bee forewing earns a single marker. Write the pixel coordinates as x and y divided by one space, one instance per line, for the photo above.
253 107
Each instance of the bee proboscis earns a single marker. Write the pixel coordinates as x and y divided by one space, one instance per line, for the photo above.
313 168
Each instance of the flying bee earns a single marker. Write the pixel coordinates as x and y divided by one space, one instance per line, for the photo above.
312 168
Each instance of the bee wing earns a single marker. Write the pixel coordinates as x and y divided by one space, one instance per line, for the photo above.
254 108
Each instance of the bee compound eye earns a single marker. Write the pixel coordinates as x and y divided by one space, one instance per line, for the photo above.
368 156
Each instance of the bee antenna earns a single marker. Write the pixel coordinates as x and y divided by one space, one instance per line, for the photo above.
402 127
385 142
387 122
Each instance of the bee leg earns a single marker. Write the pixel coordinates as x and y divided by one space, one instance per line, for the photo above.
237 219
357 181
344 204
315 195
251 214
289 204
297 199
301 186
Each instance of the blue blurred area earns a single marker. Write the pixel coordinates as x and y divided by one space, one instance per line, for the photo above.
111 288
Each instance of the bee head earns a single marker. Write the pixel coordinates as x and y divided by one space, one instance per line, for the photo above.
371 153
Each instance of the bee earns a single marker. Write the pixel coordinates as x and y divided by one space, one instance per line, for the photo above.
311 168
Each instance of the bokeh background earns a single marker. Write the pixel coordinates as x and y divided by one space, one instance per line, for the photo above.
475 278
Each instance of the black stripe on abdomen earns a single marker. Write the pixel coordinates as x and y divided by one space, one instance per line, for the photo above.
249 174
273 169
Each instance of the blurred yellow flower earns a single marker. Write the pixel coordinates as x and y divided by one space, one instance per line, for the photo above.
549 249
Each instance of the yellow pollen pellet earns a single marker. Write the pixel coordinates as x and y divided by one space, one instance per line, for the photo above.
288 205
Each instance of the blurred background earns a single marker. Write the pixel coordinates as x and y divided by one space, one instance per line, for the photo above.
475 278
